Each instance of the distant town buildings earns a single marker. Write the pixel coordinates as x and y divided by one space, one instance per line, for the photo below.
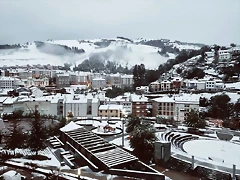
82 94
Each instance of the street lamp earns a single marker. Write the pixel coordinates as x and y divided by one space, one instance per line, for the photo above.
123 123
79 173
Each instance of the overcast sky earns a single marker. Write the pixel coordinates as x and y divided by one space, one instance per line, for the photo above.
203 21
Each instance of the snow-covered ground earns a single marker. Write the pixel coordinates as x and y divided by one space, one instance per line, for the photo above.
52 161
207 150
211 71
226 153
233 85
184 46
70 176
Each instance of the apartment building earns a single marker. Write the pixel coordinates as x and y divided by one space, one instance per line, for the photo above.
140 105
83 78
183 106
59 105
209 54
166 85
163 107
73 79
225 56
62 80
195 84
9 82
155 86
28 105
114 80
37 82
143 89
124 101
98 83
127 80
176 107
177 83
210 85
40 73
110 110
82 106
19 73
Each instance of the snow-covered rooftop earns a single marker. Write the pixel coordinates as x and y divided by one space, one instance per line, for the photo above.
2 99
138 98
233 85
12 175
164 99
5 78
70 127
10 100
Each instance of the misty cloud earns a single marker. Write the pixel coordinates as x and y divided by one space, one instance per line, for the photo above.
203 21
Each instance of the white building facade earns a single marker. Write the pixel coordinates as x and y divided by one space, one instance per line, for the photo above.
127 80
98 83
9 82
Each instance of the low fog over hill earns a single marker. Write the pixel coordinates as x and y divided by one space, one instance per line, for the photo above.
122 51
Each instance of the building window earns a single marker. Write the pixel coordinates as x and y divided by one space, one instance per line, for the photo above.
89 110
100 111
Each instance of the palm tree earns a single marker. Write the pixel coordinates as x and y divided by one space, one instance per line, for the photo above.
142 140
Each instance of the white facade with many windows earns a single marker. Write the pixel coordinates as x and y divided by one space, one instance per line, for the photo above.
176 107
165 85
225 56
182 107
210 85
8 82
126 80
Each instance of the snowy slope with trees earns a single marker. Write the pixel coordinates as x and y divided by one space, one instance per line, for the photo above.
122 51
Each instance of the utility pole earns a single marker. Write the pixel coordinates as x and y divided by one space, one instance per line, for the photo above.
123 131
177 114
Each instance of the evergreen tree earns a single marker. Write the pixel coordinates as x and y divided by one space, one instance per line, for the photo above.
219 107
16 139
151 76
53 130
233 45
139 75
216 54
37 138
179 70
114 92
193 120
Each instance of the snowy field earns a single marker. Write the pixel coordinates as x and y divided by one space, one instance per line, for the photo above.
226 153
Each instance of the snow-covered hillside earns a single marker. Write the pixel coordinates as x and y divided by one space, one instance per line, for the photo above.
121 51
